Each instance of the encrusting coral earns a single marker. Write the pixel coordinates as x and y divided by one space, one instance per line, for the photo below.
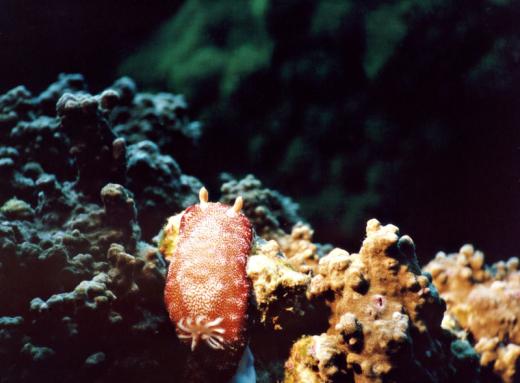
384 322
483 302
278 288
299 249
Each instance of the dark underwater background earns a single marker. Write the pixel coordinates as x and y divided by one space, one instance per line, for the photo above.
407 110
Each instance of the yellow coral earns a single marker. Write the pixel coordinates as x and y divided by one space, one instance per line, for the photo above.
382 307
170 236
484 301
278 288
301 253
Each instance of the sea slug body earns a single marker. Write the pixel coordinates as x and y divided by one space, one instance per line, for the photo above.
207 289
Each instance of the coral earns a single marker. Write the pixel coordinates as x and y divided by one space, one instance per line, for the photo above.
80 292
316 359
160 187
376 316
162 118
37 354
270 212
303 255
89 134
112 300
17 209
366 317
385 316
484 301
81 286
65 279
503 360
100 157
282 312
278 288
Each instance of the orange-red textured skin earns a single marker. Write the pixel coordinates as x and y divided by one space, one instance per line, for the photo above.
207 274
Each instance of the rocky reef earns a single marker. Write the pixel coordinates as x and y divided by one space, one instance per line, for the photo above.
88 181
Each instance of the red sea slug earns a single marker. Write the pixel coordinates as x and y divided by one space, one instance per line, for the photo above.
207 289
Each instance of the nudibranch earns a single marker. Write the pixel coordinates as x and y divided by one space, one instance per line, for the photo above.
207 289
